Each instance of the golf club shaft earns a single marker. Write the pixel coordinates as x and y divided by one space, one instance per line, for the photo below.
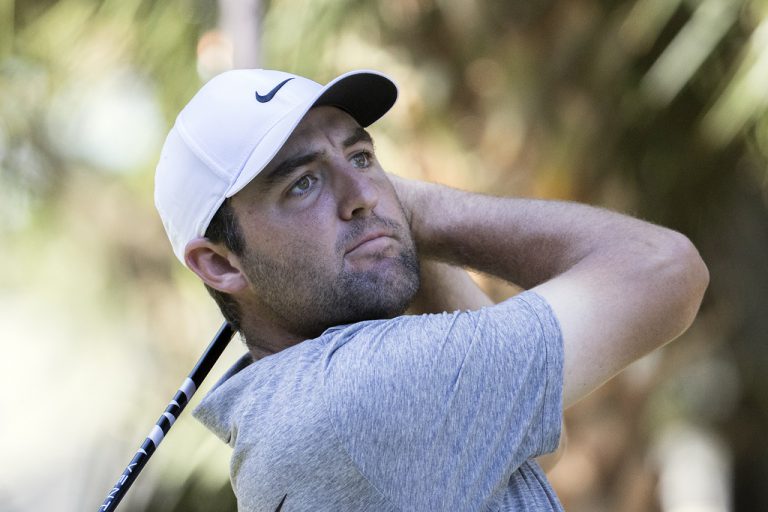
176 405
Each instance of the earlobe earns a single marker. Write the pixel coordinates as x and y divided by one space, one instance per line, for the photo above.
215 265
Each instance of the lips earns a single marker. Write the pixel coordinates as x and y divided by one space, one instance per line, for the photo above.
370 240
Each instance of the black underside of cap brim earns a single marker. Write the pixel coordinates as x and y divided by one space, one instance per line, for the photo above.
364 96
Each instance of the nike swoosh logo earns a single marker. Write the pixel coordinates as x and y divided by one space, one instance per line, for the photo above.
280 505
271 94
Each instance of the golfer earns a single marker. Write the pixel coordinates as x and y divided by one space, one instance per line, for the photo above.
270 191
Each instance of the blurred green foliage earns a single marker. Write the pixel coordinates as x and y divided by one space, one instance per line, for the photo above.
653 107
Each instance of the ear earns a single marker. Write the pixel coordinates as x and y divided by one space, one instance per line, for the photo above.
216 265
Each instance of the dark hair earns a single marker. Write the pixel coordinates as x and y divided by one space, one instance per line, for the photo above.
225 229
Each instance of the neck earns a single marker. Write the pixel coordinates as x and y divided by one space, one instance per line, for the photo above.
264 338
266 332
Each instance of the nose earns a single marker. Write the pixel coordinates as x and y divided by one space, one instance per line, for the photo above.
356 190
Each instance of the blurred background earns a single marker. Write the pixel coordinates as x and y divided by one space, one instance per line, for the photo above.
658 108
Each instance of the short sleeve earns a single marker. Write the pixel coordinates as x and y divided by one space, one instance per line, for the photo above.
438 411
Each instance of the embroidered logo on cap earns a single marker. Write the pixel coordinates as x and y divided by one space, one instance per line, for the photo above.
271 94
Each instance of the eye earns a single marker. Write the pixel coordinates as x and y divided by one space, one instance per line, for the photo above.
362 159
302 185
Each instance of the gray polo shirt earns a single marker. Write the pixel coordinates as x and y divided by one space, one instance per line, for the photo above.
433 412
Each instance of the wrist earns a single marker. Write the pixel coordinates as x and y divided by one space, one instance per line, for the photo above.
434 216
408 193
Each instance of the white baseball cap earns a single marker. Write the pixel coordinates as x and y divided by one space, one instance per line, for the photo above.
233 127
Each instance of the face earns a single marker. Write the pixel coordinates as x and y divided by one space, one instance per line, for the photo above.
327 240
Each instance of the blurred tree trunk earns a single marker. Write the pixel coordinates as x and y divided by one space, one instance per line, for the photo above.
241 21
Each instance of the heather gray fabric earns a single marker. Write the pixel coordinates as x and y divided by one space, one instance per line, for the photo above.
435 412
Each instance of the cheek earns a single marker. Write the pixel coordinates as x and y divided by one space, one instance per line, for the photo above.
309 237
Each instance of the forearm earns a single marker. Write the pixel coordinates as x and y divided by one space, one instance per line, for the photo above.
524 241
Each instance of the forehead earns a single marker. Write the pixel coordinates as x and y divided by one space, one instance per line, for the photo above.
319 123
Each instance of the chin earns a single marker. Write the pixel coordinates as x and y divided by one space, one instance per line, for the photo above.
377 293
386 299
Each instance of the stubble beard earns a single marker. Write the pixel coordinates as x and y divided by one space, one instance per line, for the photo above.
306 297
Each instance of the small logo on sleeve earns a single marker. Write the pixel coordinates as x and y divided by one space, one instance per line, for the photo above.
271 94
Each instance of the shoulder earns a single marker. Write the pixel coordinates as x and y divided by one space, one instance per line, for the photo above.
378 346
253 391
401 364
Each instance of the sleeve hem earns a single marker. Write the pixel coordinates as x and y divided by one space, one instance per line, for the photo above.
553 355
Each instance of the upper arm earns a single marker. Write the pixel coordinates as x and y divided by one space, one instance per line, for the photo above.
610 315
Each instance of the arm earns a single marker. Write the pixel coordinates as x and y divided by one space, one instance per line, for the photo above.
445 287
620 287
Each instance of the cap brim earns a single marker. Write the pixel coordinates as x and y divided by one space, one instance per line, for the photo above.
365 95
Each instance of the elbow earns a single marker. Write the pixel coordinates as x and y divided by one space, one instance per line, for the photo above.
688 275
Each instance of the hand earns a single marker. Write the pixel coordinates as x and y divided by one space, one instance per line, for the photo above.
406 191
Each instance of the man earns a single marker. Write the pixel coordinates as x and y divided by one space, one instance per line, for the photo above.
270 191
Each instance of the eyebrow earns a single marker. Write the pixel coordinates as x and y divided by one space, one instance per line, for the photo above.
359 135
285 168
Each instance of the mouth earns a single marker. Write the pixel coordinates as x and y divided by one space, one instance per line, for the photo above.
371 242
